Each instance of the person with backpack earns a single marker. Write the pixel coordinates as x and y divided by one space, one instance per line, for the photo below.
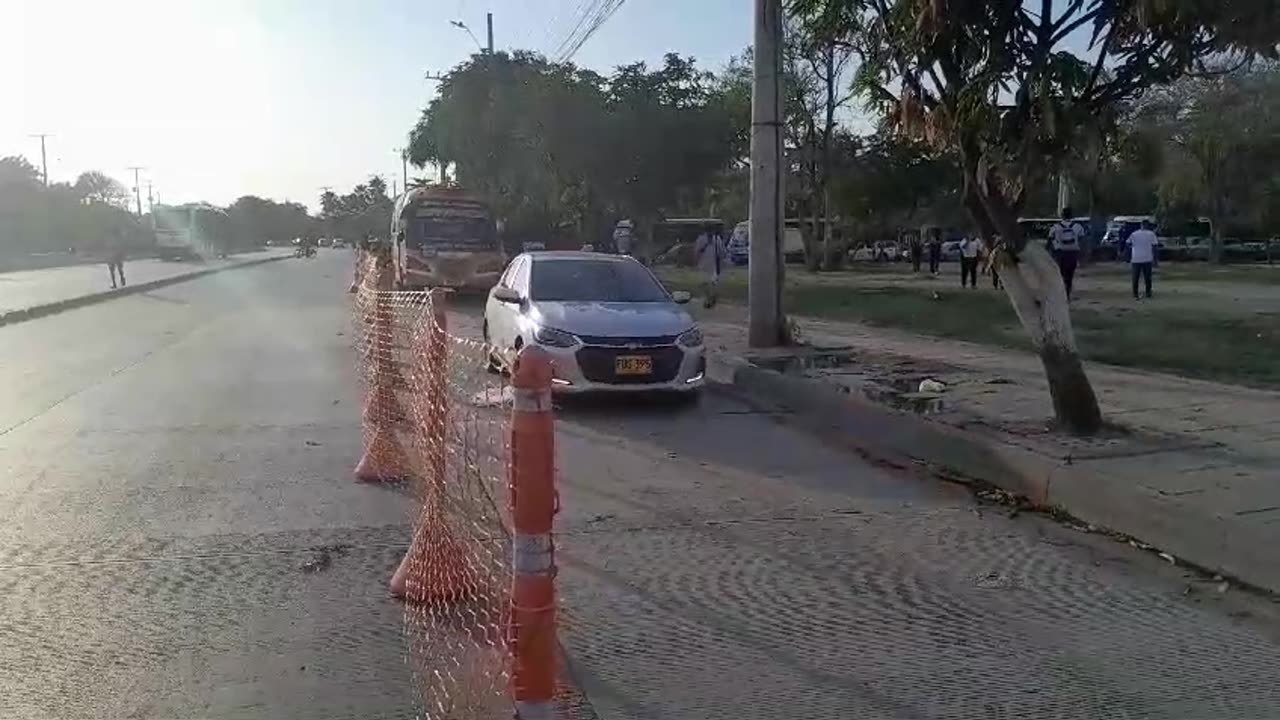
1065 237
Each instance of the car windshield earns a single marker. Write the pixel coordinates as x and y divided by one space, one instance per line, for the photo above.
594 281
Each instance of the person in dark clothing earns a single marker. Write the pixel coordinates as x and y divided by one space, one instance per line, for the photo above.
115 259
115 264
935 250
1065 236
969 247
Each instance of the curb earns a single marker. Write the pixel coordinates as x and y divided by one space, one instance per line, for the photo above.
1093 495
53 308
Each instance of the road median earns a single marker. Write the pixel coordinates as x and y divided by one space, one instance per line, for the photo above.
63 305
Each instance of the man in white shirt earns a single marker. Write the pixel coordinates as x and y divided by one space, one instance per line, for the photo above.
1065 236
1142 256
969 247
709 253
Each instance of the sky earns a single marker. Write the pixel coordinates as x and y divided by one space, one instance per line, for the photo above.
221 98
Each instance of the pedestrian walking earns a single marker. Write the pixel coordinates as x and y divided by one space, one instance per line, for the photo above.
989 251
917 253
935 250
709 252
1142 256
115 259
969 247
1065 237
622 236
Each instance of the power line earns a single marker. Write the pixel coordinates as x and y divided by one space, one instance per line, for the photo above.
549 36
585 10
603 11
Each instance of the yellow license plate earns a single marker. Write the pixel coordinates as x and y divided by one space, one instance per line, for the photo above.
633 365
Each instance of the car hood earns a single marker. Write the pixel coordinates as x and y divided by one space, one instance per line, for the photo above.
610 319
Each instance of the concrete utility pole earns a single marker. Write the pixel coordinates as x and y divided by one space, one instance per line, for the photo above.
327 229
137 187
44 159
151 198
1064 190
488 18
764 293
404 166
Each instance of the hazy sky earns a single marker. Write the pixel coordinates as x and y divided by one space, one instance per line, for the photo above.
221 98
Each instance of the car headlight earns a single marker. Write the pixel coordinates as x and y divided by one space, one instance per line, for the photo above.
554 338
690 338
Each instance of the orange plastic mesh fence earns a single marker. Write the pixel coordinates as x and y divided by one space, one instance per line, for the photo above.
439 420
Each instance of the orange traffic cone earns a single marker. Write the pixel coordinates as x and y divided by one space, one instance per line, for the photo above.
383 405
438 566
384 459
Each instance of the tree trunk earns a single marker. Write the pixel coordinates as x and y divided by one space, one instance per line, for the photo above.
1034 285
1039 298
1216 243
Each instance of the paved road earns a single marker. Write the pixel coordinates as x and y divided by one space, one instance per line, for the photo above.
29 288
179 537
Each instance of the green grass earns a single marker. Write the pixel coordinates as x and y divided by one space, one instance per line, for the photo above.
1251 274
1242 349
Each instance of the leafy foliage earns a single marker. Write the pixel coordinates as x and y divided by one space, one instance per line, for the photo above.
1219 141
1015 87
363 212
551 145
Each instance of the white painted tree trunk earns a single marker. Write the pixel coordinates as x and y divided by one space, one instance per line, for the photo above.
1034 285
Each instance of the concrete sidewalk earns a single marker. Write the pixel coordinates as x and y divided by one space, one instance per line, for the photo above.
1191 467
33 293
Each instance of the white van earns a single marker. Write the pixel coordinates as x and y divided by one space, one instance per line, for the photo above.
792 242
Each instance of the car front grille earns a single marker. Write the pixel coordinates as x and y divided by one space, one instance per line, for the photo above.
598 363
635 342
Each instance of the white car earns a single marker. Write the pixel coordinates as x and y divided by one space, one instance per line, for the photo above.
607 322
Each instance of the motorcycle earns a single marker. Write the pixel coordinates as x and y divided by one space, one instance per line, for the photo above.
305 251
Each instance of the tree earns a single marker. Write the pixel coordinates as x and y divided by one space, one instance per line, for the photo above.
1004 85
551 146
253 221
97 187
816 63
1220 133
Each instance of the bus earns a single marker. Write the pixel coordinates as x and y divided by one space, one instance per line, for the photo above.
191 232
444 236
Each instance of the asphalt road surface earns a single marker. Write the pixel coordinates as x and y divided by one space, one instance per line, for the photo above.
180 537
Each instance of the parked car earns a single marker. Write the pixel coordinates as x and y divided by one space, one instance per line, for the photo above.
607 322
951 250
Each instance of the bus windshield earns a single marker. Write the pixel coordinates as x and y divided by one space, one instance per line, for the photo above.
454 233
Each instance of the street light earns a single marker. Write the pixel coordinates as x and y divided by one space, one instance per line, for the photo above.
463 26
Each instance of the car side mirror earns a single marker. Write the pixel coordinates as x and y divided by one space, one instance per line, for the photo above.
507 295
681 297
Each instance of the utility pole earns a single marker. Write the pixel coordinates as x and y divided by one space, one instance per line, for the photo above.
488 18
404 166
137 187
151 199
1064 190
764 291
324 190
44 159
